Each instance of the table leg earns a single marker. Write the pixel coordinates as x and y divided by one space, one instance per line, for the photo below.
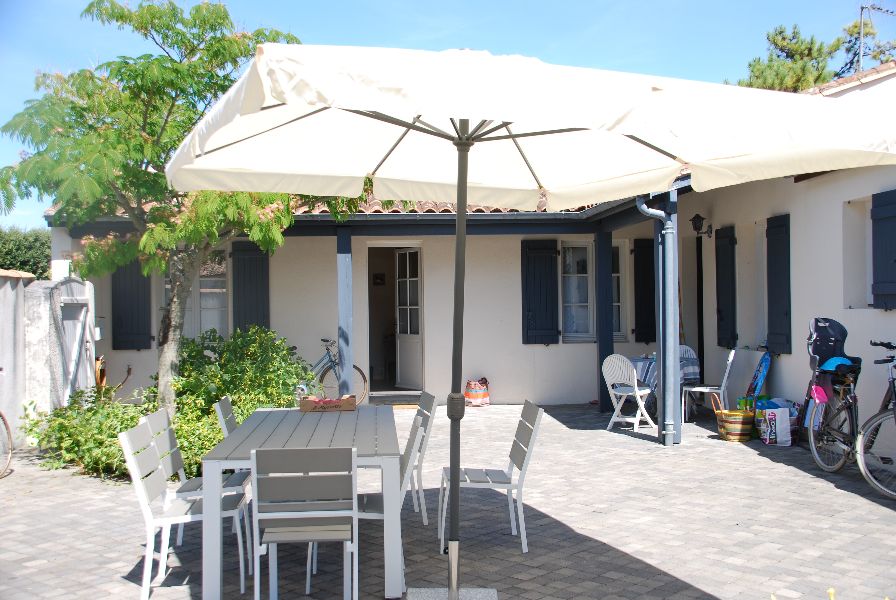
211 530
392 528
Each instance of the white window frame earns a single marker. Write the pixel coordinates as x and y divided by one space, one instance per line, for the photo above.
567 338
621 248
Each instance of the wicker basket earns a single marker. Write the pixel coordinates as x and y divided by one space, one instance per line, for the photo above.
734 425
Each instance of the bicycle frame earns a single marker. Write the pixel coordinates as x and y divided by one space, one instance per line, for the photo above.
329 359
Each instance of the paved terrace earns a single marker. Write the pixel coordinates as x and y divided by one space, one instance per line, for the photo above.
610 515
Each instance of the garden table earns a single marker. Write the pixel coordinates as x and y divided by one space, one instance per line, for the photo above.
369 429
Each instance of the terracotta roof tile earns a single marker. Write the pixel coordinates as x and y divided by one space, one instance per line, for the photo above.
883 70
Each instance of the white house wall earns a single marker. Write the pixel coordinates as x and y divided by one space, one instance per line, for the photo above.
824 251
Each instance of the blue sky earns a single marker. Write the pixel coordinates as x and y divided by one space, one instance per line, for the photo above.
693 39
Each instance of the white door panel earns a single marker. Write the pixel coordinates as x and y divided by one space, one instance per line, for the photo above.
409 319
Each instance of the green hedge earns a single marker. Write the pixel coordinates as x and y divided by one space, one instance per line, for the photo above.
255 368
25 251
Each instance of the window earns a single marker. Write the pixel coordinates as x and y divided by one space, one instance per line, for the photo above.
618 303
211 287
577 285
408 282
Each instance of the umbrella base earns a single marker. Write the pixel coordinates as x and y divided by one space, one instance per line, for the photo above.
442 594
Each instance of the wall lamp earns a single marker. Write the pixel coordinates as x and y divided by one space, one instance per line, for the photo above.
697 223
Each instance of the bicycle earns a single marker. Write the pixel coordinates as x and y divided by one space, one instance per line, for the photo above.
5 445
832 429
326 372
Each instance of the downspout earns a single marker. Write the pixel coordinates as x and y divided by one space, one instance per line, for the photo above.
669 318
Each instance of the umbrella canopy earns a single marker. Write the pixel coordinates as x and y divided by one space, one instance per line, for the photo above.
275 130
319 120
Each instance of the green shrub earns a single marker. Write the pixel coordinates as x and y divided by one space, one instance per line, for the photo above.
255 368
25 251
85 433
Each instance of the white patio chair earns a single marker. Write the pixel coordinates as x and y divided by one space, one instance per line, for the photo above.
151 484
520 455
426 413
224 410
622 383
720 389
305 495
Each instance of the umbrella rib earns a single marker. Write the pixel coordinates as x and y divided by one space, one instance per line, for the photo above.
394 146
482 135
431 126
476 129
530 134
635 138
525 159
401 123
249 137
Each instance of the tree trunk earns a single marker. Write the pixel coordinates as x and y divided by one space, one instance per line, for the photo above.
182 270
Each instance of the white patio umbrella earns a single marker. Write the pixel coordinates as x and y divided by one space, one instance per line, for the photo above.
318 120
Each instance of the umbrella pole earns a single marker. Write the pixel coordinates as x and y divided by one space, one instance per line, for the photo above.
456 398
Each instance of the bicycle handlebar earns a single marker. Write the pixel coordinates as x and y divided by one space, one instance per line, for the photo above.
885 361
885 345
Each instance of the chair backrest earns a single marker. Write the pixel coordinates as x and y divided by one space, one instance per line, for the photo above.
724 383
144 466
426 411
409 457
524 438
165 441
685 351
293 484
618 369
224 410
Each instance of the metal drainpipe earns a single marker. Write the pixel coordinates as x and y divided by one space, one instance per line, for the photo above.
670 319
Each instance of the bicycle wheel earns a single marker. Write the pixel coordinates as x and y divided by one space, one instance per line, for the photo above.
330 383
876 452
5 445
833 441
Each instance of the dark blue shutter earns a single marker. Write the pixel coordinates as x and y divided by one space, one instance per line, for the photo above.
645 285
539 291
777 257
251 293
883 245
726 287
131 309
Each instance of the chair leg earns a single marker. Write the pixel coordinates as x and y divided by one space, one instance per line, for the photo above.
163 552
180 534
442 522
247 522
256 571
419 483
413 493
314 558
308 569
439 507
346 571
616 414
147 563
239 546
354 549
273 592
510 510
519 508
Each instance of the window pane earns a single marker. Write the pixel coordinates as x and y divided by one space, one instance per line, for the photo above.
575 319
402 265
414 296
402 320
617 319
403 292
212 298
214 319
575 260
615 260
413 264
415 321
615 288
575 289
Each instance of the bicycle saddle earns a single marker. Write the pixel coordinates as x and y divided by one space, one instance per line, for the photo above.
327 342
842 365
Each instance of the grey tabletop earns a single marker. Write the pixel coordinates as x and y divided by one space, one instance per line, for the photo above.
370 429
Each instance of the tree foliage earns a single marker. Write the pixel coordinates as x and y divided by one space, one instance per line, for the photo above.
795 63
97 141
25 251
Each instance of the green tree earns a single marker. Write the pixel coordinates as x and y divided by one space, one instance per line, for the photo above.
794 63
97 141
25 251
873 49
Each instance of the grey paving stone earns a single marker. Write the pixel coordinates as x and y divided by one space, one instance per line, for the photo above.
609 514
